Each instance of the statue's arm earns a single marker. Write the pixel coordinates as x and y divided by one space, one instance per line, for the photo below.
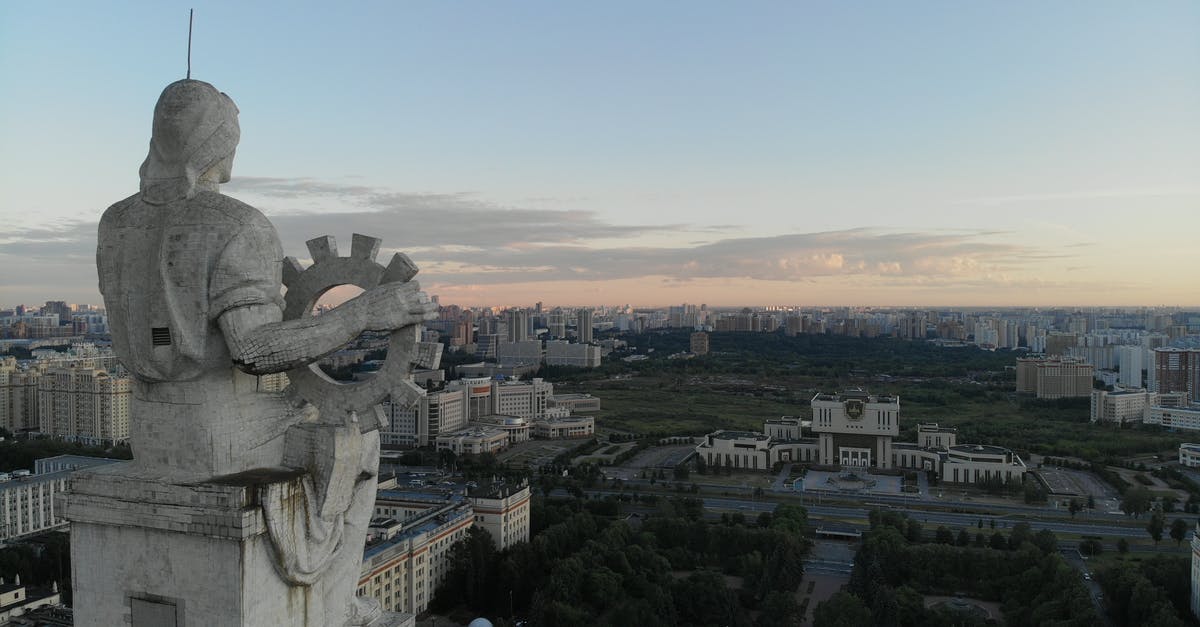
261 342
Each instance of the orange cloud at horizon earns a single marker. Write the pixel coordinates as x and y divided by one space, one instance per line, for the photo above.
660 291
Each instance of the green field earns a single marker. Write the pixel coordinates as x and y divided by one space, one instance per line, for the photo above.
651 405
960 387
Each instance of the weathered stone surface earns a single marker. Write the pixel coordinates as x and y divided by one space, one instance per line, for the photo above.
241 506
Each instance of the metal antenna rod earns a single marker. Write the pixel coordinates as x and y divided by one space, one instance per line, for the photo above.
189 73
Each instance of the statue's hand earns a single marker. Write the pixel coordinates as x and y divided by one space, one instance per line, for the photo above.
393 305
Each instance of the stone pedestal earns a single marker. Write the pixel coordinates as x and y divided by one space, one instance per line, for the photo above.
147 553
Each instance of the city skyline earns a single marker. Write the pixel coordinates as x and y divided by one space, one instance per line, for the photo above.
997 155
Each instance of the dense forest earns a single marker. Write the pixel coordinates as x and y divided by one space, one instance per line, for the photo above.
896 566
583 566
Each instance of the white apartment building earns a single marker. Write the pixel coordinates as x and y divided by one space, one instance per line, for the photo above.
1189 455
1121 406
421 423
1054 378
461 402
406 559
527 400
1131 360
27 501
1174 417
18 397
84 404
563 353
585 323
503 513
523 352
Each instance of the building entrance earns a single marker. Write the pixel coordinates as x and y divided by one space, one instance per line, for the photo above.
850 456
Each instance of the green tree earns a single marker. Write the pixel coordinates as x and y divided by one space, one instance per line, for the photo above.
963 539
943 535
1155 527
1136 501
1074 507
1179 529
913 531
1021 533
998 541
842 610
1122 546
779 609
1045 541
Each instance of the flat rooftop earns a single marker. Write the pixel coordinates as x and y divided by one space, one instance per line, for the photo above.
986 449
739 435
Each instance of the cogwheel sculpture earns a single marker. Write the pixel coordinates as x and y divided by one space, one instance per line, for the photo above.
305 285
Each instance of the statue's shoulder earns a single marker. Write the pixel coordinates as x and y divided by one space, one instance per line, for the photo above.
211 208
228 208
121 212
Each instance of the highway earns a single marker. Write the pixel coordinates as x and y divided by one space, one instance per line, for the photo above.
1099 526
972 510
934 518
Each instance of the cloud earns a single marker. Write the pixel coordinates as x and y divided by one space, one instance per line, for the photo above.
409 220
1091 194
460 239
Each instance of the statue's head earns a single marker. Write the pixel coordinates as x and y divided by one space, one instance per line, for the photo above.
195 135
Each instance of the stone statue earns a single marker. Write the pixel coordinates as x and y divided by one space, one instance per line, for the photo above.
192 283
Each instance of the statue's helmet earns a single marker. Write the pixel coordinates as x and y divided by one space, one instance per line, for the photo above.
195 127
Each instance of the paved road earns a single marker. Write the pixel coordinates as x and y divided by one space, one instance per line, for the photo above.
1102 527
1076 560
827 567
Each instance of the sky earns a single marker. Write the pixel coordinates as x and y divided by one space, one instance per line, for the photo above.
760 153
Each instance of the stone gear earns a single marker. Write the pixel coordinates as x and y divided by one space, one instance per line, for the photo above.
332 398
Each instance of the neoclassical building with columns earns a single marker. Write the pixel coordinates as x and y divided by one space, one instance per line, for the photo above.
855 429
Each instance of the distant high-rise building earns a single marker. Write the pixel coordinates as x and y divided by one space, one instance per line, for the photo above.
1129 360
59 308
1121 406
562 353
84 404
558 323
911 326
523 352
1058 343
585 325
518 325
1055 378
18 397
1177 370
699 343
